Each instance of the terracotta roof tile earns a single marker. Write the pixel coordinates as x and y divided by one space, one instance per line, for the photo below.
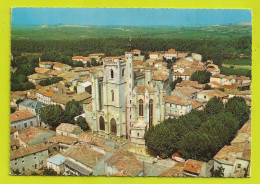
125 162
32 133
63 139
176 100
20 115
193 166
66 127
28 150
84 154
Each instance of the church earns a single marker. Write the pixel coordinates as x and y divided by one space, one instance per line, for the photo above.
126 102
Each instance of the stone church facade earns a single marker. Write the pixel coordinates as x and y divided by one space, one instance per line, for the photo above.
123 106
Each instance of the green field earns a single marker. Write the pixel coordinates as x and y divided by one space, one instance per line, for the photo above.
241 62
72 32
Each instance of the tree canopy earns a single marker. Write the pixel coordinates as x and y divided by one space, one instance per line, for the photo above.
202 77
199 134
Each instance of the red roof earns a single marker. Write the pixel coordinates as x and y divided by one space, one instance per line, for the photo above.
20 115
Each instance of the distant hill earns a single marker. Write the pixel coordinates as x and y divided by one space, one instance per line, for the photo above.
73 32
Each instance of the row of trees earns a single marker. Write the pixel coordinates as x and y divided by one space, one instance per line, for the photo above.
54 115
217 50
199 134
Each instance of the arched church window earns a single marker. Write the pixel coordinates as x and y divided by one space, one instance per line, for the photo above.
150 112
141 107
112 74
113 125
101 123
123 72
113 95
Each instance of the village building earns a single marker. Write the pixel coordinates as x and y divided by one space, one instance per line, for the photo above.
56 163
45 95
206 95
136 52
97 56
123 164
37 77
213 69
176 106
47 64
154 55
171 53
23 119
84 87
194 168
77 58
42 70
81 160
34 135
61 143
68 129
33 106
227 157
193 84
175 171
61 67
29 159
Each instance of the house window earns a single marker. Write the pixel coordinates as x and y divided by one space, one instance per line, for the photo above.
141 107
112 74
15 163
25 125
23 169
130 101
130 116
130 75
35 166
138 134
205 96
239 166
31 123
22 161
123 72
34 157
112 95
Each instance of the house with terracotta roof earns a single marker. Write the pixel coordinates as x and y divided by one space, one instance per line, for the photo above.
213 69
46 64
81 159
27 160
46 94
194 168
77 58
41 70
176 106
68 129
124 164
227 157
61 143
61 67
170 54
206 95
136 52
33 106
185 75
23 119
154 55
193 84
175 171
37 77
34 135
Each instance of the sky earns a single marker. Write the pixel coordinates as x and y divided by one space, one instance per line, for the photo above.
128 16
